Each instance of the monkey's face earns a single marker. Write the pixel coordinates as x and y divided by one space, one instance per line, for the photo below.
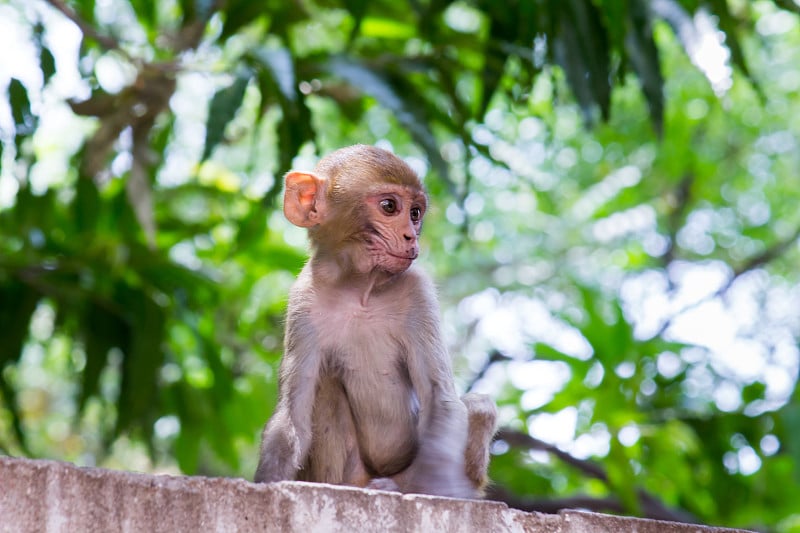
392 226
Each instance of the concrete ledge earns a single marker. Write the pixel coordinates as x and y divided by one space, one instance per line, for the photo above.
53 497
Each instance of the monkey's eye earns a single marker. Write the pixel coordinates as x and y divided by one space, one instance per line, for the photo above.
389 206
416 214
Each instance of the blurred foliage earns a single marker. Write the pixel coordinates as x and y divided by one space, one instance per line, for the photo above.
614 231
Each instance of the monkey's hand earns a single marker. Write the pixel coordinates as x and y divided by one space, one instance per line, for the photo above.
281 452
383 483
482 421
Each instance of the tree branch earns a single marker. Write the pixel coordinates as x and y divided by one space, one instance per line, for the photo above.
553 505
104 40
651 506
770 254
767 256
494 357
518 439
682 196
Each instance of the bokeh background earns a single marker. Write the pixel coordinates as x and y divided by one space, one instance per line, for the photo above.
614 230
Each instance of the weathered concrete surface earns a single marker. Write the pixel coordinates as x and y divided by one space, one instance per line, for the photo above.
46 496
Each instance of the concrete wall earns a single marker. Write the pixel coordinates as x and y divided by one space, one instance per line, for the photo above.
46 496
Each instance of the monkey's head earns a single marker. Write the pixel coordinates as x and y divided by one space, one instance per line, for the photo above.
362 206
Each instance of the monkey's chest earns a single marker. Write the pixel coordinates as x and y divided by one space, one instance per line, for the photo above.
364 353
363 338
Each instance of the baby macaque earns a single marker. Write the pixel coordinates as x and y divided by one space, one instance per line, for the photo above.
366 386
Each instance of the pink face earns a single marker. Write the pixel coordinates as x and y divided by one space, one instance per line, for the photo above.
395 215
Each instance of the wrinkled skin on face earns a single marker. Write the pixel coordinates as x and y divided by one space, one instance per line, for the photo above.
363 208
395 220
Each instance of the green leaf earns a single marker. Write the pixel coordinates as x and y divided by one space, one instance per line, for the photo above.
85 9
615 20
277 80
167 277
428 13
283 257
729 25
253 227
187 446
788 5
280 68
188 8
376 84
146 12
357 8
102 331
621 478
581 48
753 392
194 10
47 63
546 352
24 119
643 54
493 67
386 28
240 13
788 418
17 304
512 30
224 105
86 206
9 397
607 331
136 405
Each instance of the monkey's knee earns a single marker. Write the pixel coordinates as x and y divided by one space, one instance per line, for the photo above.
481 412
383 483
276 458
482 420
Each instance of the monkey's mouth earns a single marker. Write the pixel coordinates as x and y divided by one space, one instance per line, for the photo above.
406 257
395 263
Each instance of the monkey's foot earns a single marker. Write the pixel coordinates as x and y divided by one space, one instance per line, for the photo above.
383 483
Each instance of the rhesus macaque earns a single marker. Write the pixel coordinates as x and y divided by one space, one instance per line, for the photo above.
366 386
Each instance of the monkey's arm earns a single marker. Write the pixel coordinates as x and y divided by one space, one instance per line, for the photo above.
439 466
287 436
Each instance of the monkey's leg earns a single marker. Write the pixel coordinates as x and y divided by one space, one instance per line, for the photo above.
482 418
279 446
334 456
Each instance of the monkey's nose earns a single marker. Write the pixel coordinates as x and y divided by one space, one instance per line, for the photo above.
408 237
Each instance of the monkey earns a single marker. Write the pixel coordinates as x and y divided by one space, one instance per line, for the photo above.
366 389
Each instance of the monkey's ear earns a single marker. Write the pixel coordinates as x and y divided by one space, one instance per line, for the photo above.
304 199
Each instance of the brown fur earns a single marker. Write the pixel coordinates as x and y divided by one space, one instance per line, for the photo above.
366 386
